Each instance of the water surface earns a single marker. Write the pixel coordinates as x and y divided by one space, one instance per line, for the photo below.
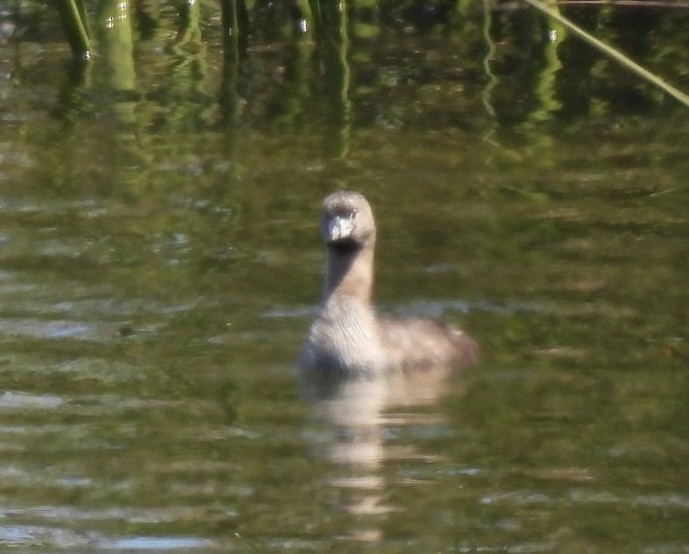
160 263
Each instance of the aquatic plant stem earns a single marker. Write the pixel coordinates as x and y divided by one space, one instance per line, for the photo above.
75 23
613 53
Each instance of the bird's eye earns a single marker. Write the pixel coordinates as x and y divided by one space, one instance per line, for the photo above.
352 214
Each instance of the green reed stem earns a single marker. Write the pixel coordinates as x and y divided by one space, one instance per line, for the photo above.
76 27
613 53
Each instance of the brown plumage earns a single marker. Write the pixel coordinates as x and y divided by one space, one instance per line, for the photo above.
347 336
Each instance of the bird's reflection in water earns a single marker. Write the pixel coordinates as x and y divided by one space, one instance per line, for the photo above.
358 419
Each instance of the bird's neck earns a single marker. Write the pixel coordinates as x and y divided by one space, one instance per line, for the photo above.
349 273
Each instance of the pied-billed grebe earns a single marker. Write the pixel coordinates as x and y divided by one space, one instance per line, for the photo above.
347 335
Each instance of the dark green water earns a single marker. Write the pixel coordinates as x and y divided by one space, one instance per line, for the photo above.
160 263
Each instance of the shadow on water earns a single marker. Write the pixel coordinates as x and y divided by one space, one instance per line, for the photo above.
160 262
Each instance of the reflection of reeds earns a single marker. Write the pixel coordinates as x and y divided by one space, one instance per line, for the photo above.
76 27
235 26
333 37
487 60
611 52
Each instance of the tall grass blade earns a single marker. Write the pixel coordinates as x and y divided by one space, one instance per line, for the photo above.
611 52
